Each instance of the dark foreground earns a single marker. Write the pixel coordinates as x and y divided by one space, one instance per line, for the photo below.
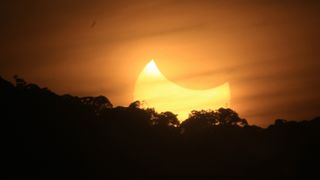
65 137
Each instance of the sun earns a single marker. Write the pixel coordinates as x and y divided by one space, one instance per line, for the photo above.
152 69
156 91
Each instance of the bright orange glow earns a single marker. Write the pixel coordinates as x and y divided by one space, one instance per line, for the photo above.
156 91
151 69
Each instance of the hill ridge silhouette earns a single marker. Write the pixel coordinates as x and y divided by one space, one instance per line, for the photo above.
62 136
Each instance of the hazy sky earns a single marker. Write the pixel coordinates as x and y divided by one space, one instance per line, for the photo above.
267 50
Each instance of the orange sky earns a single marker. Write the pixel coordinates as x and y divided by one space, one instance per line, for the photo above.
268 50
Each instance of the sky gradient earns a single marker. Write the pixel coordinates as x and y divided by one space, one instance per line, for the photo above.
267 50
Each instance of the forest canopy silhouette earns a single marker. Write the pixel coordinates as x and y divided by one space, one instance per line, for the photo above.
60 136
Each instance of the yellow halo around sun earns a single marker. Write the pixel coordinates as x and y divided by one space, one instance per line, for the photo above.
155 90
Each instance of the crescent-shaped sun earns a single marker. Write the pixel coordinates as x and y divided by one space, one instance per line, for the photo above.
156 91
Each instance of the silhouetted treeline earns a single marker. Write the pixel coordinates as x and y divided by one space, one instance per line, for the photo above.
63 137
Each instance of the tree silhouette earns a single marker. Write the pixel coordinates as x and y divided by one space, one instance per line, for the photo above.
205 119
228 117
58 136
98 103
167 119
163 119
135 104
20 83
200 120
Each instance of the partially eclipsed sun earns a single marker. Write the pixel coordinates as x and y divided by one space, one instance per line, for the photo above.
156 91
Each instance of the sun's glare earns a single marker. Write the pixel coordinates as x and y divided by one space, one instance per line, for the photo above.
152 69
156 91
